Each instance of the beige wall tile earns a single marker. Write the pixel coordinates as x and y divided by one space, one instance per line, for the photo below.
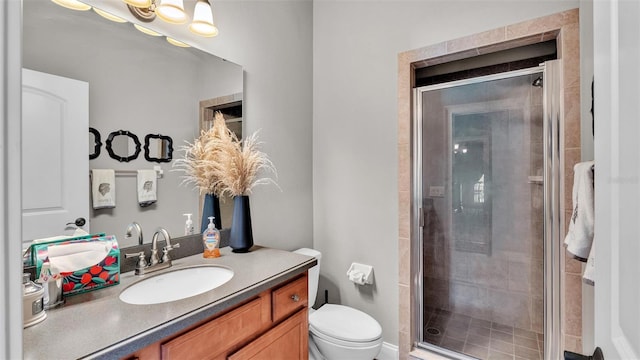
404 263
572 117
528 40
573 305
404 167
573 343
571 55
571 265
542 25
405 311
426 52
476 40
404 211
405 345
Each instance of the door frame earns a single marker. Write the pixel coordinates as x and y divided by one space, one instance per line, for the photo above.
564 28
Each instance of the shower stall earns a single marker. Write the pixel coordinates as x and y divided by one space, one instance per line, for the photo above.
487 215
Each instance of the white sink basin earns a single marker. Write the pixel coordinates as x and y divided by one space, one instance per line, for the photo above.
176 285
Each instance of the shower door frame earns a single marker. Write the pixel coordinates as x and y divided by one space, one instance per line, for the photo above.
553 214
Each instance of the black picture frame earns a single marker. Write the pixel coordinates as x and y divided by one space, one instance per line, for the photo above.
169 147
97 143
120 157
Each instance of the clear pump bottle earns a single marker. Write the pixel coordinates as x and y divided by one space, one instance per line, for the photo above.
211 240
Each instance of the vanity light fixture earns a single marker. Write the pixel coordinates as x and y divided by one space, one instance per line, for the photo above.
72 4
139 3
145 30
172 11
175 42
109 16
202 23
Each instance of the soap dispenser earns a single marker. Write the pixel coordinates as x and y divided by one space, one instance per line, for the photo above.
188 225
211 240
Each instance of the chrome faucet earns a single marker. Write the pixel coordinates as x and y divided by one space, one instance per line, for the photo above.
154 264
134 226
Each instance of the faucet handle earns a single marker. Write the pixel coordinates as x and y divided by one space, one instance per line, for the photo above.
142 262
165 251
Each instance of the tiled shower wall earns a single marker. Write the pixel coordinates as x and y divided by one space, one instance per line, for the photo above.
503 283
564 28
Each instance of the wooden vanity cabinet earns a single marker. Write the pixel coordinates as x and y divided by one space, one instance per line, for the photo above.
273 325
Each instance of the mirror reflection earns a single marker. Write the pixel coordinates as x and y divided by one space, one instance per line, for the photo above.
471 174
136 82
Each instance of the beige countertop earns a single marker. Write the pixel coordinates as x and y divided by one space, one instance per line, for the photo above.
99 325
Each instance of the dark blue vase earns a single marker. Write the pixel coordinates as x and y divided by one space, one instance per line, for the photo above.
241 237
211 207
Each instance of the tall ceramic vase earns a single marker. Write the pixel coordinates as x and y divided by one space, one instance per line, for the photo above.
241 237
211 207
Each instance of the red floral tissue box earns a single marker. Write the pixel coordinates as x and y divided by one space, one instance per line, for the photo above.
85 264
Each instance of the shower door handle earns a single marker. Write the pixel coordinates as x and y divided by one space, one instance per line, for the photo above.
597 355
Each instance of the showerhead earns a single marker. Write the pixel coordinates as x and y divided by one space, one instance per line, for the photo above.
537 82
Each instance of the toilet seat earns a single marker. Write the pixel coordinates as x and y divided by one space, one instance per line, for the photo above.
343 325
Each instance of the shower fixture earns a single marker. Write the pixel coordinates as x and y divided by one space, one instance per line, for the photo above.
537 82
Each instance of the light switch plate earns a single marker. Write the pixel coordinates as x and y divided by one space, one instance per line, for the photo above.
436 191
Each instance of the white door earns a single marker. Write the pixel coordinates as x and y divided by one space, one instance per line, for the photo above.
617 177
55 161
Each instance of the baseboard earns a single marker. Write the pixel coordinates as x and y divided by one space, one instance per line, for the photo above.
388 352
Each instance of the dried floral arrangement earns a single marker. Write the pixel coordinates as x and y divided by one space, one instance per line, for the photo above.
219 163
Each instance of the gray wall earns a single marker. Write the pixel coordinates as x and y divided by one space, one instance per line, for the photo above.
355 47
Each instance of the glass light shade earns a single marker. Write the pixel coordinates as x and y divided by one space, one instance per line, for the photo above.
172 11
139 3
176 42
109 16
202 23
72 4
145 30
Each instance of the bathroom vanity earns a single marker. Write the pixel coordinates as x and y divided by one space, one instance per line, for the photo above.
261 311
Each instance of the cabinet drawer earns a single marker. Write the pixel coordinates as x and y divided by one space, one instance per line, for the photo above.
215 337
289 298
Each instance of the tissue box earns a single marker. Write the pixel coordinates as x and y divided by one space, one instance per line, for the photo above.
86 263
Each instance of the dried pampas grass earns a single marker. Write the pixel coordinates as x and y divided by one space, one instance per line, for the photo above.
218 163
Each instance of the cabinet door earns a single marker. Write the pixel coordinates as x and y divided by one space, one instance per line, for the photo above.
289 340
216 337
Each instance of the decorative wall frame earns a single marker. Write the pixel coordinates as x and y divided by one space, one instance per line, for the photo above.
97 143
165 147
123 157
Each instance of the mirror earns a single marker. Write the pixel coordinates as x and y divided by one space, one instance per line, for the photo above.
158 148
123 146
95 143
136 82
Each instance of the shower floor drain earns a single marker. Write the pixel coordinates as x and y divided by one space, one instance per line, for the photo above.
433 331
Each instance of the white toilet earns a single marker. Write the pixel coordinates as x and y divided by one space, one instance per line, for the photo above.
338 332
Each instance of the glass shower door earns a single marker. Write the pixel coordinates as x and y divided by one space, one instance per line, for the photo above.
481 156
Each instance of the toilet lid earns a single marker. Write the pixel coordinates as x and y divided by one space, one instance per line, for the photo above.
344 323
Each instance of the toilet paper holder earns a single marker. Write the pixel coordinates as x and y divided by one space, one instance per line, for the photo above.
360 274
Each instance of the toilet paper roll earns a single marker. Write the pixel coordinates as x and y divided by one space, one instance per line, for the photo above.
357 277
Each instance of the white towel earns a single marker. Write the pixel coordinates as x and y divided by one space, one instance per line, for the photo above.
589 271
103 188
147 194
580 234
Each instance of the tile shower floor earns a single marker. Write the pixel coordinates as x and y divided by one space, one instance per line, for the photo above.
481 338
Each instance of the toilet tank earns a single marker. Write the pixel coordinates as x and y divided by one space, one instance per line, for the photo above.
314 273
